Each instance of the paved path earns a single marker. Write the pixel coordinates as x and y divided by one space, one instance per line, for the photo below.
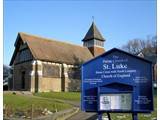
83 116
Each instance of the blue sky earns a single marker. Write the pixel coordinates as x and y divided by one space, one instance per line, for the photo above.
118 21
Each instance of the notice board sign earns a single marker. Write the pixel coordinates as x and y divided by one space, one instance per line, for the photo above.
117 81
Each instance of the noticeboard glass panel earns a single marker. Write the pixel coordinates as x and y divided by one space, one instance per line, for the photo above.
115 102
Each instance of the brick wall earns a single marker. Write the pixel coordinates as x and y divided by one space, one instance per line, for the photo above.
96 50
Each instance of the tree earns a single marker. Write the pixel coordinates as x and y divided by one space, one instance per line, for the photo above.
135 46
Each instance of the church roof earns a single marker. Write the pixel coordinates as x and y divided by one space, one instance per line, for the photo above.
51 50
93 33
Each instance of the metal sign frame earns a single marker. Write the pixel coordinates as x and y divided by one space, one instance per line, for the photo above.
116 110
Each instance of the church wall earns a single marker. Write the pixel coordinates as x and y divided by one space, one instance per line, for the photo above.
72 78
22 67
36 74
49 84
50 79
96 50
65 78
59 81
16 84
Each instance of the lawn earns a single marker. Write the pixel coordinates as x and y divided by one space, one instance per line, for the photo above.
14 103
72 96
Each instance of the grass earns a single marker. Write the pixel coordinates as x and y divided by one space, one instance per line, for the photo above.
24 103
72 96
115 116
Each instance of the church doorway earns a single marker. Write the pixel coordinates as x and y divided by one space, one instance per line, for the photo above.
23 80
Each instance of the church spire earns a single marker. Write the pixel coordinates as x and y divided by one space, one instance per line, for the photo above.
93 33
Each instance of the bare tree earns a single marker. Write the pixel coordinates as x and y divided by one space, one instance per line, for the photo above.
137 45
133 46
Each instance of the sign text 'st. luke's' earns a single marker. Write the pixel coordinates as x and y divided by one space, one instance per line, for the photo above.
114 66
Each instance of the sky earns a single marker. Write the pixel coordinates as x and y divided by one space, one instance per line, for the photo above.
117 20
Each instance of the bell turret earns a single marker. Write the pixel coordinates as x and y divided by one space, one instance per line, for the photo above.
94 41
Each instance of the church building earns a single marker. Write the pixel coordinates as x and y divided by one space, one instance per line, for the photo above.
42 65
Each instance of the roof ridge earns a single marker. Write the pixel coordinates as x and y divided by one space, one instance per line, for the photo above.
93 29
50 39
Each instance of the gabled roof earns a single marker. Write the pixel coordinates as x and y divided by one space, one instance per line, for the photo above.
52 50
116 49
93 33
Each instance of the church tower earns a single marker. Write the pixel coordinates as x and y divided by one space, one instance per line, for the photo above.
94 41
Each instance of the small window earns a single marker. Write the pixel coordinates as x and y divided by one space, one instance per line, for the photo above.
74 73
51 71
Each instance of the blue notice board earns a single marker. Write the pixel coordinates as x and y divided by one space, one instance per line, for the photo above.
117 81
